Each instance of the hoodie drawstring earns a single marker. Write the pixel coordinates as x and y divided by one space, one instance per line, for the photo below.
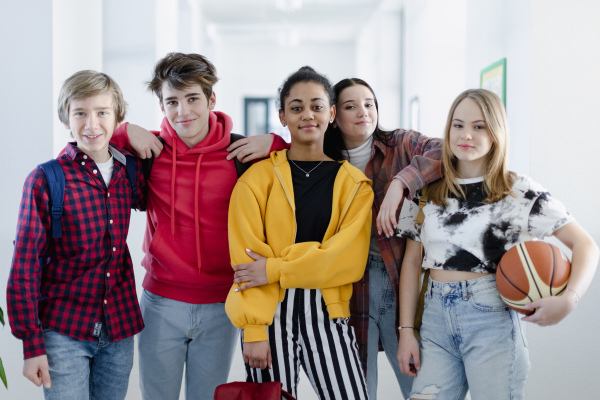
173 175
196 216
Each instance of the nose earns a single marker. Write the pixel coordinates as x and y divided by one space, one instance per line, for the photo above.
362 111
91 122
307 114
467 134
183 108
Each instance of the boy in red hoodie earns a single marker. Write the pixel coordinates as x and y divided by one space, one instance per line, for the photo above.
188 271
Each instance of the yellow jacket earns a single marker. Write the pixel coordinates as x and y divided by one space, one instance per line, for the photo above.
262 219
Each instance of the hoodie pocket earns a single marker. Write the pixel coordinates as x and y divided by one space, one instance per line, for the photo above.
175 257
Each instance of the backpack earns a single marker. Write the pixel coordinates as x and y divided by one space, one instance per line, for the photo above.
240 167
56 184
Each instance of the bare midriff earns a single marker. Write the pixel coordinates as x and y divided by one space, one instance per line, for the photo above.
442 275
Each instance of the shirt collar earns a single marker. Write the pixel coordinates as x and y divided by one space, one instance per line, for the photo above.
73 151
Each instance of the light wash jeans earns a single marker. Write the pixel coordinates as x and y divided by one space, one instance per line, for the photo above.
382 326
470 341
177 334
82 370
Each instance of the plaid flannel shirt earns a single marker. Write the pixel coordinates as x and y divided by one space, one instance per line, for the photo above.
415 160
86 276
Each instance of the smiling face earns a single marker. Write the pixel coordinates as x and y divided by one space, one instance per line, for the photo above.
307 113
92 123
356 116
187 111
470 140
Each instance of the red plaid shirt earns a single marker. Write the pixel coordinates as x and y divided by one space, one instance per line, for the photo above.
415 160
87 275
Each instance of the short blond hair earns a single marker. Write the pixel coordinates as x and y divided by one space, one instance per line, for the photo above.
85 84
497 180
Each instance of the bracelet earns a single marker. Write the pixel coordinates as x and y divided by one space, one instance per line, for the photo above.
575 293
406 327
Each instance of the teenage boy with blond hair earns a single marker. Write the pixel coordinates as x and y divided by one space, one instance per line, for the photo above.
71 291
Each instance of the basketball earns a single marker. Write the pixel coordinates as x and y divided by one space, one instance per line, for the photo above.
529 271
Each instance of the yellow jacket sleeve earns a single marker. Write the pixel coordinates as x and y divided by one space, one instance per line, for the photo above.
254 308
339 260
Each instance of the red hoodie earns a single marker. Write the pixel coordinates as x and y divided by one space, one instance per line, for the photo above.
185 245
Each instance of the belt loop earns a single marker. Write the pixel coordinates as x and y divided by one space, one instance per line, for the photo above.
465 294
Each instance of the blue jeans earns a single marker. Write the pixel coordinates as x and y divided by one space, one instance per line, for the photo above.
382 326
82 370
470 341
177 334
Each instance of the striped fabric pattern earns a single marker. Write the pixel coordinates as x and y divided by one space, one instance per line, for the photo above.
303 336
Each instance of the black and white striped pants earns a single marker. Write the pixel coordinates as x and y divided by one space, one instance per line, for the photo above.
302 335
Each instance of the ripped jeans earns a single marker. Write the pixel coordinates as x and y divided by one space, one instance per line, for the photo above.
470 341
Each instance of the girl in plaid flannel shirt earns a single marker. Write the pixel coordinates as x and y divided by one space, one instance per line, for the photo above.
395 161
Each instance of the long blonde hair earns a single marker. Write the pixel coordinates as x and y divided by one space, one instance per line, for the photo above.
497 180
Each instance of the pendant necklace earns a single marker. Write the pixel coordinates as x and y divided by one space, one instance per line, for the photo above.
307 173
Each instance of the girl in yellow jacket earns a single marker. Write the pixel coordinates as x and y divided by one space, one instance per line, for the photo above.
299 228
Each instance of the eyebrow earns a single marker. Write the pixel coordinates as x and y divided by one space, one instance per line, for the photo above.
460 120
300 101
187 95
97 108
350 101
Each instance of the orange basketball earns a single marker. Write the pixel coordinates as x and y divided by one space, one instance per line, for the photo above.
529 271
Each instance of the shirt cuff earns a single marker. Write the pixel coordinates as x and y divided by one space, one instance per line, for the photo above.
255 333
34 346
274 269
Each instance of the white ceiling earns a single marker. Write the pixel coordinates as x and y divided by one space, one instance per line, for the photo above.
289 21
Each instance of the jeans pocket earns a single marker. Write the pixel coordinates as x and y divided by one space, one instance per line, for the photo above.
487 300
520 328
153 297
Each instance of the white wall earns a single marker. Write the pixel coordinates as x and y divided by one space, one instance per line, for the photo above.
435 58
378 61
553 98
565 104
26 115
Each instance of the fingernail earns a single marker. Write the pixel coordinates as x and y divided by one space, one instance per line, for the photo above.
247 250
235 290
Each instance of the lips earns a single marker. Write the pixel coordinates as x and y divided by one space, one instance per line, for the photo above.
306 127
186 122
465 146
363 123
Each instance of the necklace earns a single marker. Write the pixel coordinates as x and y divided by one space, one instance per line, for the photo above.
307 173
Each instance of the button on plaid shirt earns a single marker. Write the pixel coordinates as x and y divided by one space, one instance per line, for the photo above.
415 160
87 275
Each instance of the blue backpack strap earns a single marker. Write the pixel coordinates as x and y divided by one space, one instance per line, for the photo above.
131 168
56 183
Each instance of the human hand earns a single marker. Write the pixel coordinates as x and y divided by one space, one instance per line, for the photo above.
386 217
37 371
250 148
254 273
144 142
408 348
257 354
550 310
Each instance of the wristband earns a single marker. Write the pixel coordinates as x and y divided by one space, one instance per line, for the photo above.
406 327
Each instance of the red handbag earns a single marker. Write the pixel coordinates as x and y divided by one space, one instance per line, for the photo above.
251 391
